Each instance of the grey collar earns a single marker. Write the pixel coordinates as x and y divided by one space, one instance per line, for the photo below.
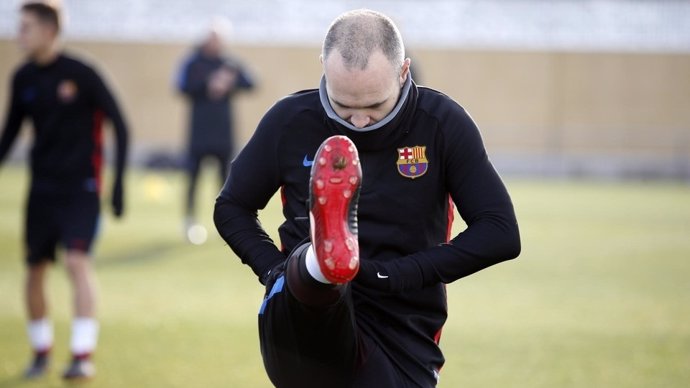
323 95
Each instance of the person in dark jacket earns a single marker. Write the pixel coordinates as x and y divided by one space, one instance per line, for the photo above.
67 102
210 80
372 318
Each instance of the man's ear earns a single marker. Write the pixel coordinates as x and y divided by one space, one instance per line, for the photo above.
405 71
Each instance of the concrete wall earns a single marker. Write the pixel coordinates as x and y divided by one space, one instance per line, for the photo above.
540 112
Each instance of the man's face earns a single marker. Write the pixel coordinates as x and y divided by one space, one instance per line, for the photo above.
363 97
34 36
213 44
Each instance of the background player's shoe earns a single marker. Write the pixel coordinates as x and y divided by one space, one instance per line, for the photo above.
38 366
80 368
336 178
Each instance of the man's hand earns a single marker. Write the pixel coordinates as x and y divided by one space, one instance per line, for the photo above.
269 276
402 274
221 83
118 199
374 275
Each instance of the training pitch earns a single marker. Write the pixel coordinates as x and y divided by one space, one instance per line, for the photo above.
600 296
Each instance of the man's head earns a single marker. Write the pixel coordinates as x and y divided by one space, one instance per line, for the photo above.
364 64
212 45
39 27
219 31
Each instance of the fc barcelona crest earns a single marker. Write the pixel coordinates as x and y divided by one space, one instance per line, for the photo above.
412 162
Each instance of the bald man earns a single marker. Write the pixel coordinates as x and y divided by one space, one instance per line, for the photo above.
369 166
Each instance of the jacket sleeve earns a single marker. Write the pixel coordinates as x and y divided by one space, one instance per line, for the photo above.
254 178
492 234
244 79
191 80
107 103
13 121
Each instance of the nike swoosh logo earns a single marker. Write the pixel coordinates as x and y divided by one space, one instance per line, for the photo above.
378 275
306 162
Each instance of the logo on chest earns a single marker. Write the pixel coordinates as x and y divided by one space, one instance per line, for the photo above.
67 91
412 162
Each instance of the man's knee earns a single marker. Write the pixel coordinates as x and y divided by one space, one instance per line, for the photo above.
77 262
306 289
36 271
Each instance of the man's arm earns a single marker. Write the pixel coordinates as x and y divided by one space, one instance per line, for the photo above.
106 101
244 79
13 121
254 178
492 234
191 80
241 229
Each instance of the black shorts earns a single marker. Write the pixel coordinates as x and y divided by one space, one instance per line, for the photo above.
66 217
315 348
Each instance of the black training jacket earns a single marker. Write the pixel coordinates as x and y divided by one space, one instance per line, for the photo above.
424 157
210 121
67 102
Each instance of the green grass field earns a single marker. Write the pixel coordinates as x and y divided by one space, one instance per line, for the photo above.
600 296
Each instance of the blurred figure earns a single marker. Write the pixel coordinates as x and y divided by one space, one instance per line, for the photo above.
66 100
210 79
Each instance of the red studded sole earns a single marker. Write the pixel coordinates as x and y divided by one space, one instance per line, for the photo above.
336 177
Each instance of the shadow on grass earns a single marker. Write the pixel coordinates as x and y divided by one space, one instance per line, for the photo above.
20 381
146 254
41 382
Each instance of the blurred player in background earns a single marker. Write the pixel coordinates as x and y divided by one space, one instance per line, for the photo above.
66 101
210 79
368 166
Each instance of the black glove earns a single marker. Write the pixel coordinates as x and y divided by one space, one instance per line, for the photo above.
269 276
118 199
392 276
375 275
